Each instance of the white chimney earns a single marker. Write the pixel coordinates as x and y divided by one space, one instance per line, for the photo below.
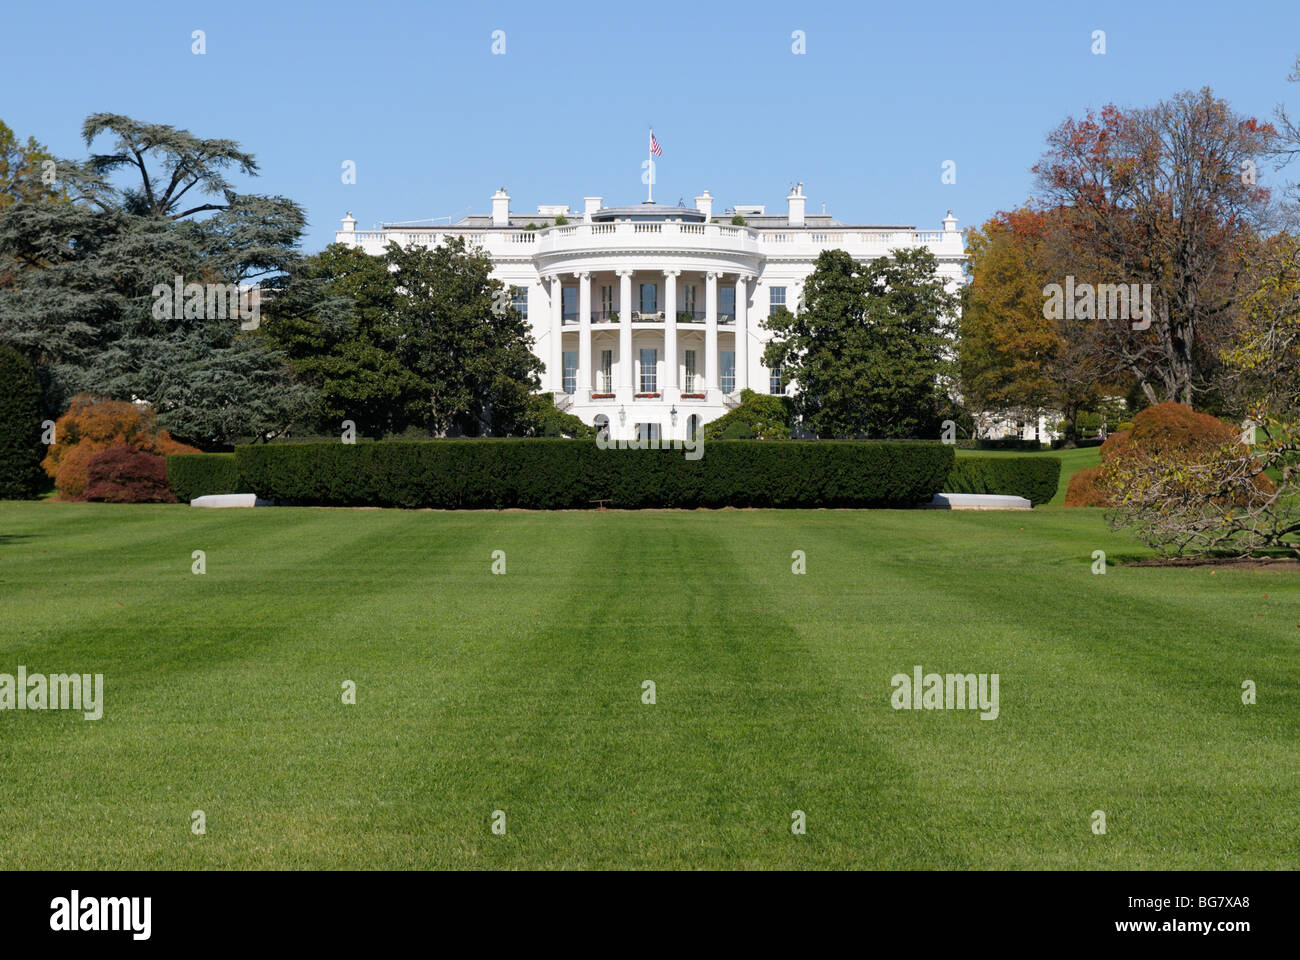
349 223
592 204
796 200
950 223
704 204
501 208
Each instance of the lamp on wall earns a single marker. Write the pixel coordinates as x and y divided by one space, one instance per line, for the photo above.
673 413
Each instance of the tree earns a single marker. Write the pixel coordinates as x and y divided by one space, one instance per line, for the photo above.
1161 195
83 304
471 351
1011 355
27 170
20 427
763 417
869 349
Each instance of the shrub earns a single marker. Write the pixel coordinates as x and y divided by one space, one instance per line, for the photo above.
193 475
1081 489
544 419
20 427
1006 443
766 416
568 474
1034 478
1166 429
127 475
92 425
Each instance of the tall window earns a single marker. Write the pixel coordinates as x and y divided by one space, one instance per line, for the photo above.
606 301
776 301
649 298
690 371
649 374
727 303
519 300
727 365
569 299
570 371
776 382
688 298
607 371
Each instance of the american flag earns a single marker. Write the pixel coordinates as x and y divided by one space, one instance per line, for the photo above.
654 145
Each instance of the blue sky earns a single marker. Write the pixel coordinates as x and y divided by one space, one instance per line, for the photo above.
435 122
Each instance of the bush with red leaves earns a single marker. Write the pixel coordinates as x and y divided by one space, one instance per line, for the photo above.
127 475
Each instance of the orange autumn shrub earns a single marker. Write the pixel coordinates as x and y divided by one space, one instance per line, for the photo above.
93 425
1164 430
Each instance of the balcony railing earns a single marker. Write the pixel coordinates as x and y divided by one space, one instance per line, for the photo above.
570 318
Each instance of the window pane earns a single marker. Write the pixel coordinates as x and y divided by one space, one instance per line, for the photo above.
777 297
649 378
726 302
690 371
519 300
569 299
727 364
607 371
570 371
649 298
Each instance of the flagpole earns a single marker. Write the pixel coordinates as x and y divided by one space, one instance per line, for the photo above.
650 167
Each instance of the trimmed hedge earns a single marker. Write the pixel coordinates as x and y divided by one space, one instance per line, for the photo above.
200 474
1034 478
543 474
21 449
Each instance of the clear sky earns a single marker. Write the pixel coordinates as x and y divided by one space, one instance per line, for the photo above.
413 94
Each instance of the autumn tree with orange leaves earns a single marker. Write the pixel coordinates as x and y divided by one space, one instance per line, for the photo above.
1011 355
1163 195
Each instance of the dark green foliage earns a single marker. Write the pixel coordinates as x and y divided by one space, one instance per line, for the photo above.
868 346
21 449
543 419
1007 443
569 474
201 474
1034 478
127 475
83 281
760 416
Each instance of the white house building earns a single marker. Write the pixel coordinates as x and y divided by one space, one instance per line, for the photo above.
648 318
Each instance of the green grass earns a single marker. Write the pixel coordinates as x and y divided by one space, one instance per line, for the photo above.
1072 461
523 692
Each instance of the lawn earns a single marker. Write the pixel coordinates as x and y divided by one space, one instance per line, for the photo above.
1072 461
522 692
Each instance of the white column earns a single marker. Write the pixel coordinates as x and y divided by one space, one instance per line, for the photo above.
624 387
670 334
585 378
742 333
710 377
557 335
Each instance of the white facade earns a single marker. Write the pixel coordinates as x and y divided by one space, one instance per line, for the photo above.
651 316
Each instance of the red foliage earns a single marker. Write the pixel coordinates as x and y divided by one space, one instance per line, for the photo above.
1162 429
92 425
127 475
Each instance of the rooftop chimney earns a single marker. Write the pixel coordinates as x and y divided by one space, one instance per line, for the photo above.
501 208
592 204
950 223
704 204
796 200
349 223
